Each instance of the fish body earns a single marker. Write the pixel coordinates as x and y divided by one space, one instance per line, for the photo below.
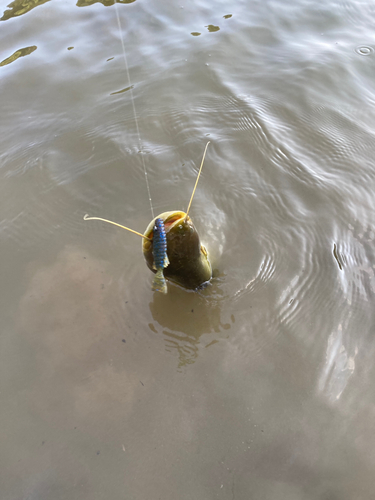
159 252
189 265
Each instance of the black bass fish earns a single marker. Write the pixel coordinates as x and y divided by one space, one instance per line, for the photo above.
189 265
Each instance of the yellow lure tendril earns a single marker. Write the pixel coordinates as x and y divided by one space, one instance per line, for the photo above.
196 182
86 217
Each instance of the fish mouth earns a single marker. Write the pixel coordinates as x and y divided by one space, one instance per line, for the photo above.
175 218
170 219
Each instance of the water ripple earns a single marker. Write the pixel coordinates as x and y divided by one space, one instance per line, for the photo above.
364 50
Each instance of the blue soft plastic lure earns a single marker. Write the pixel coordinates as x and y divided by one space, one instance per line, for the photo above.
161 260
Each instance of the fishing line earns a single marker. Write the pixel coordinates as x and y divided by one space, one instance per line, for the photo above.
134 111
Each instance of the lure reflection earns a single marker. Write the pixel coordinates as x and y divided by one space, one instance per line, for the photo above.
172 248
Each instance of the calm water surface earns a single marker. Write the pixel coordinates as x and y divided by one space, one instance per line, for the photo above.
261 385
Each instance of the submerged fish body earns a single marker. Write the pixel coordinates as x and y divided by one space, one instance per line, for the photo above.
189 265
159 252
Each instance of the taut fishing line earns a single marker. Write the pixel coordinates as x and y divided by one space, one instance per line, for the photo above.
134 111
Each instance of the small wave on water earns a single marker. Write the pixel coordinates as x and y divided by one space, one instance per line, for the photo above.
364 50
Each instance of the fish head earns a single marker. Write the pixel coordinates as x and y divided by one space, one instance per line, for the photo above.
189 265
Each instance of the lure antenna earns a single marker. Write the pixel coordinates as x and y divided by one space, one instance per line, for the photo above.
196 182
86 217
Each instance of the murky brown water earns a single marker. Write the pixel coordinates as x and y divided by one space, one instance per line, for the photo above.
261 385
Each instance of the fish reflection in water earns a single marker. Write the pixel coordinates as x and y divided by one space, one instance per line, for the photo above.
186 321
